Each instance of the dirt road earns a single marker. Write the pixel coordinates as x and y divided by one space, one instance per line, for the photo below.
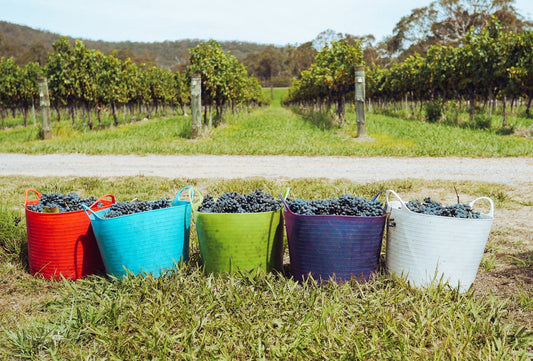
495 170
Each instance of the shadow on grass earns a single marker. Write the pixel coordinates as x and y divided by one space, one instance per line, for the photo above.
184 133
323 120
522 267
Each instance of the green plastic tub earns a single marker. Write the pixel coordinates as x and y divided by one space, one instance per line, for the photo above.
240 241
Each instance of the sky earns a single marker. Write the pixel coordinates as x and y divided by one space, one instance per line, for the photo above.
278 22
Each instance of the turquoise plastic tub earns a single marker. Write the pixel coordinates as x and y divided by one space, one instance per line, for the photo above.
149 242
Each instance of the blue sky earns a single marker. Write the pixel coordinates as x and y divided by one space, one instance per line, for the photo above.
268 22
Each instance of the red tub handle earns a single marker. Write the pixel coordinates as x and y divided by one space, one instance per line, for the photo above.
28 191
101 198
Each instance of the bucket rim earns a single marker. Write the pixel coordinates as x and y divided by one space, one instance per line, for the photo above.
484 217
341 216
60 213
100 212
401 205
28 202
242 214
287 209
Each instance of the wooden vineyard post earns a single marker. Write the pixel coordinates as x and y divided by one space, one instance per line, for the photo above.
360 100
45 107
196 105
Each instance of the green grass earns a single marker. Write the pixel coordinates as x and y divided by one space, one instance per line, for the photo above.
272 130
190 315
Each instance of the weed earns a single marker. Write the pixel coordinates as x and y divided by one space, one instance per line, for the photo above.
433 111
525 261
488 262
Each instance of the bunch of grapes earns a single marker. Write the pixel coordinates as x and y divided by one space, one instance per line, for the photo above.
123 208
233 202
60 203
434 208
345 205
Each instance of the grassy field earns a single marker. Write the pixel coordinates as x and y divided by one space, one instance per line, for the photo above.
190 315
273 130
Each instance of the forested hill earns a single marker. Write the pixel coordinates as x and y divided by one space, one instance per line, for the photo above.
16 40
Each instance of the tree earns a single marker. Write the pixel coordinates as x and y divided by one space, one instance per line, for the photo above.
160 85
448 22
85 69
8 49
224 79
520 64
331 77
182 91
210 61
60 74
36 54
111 85
300 58
9 75
326 37
28 87
268 65
134 90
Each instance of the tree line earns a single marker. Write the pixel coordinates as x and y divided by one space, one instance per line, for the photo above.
83 79
329 79
276 65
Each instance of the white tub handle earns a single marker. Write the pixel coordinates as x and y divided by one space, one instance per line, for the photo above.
491 212
389 191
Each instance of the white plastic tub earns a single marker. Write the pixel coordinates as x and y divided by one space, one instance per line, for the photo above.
427 248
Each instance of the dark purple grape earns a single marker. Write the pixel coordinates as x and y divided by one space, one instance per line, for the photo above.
434 208
62 202
345 205
233 202
124 208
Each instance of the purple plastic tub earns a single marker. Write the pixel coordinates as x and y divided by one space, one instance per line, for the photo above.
333 247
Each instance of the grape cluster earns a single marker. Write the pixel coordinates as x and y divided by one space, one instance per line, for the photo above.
345 205
233 202
123 208
62 202
434 208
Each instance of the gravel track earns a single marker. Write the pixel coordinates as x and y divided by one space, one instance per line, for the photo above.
494 170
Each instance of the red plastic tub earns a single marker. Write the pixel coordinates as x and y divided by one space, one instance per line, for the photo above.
62 244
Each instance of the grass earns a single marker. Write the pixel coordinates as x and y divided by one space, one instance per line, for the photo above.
273 130
252 315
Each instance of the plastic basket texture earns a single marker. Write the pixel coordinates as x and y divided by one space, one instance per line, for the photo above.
62 244
148 242
426 248
240 241
333 247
